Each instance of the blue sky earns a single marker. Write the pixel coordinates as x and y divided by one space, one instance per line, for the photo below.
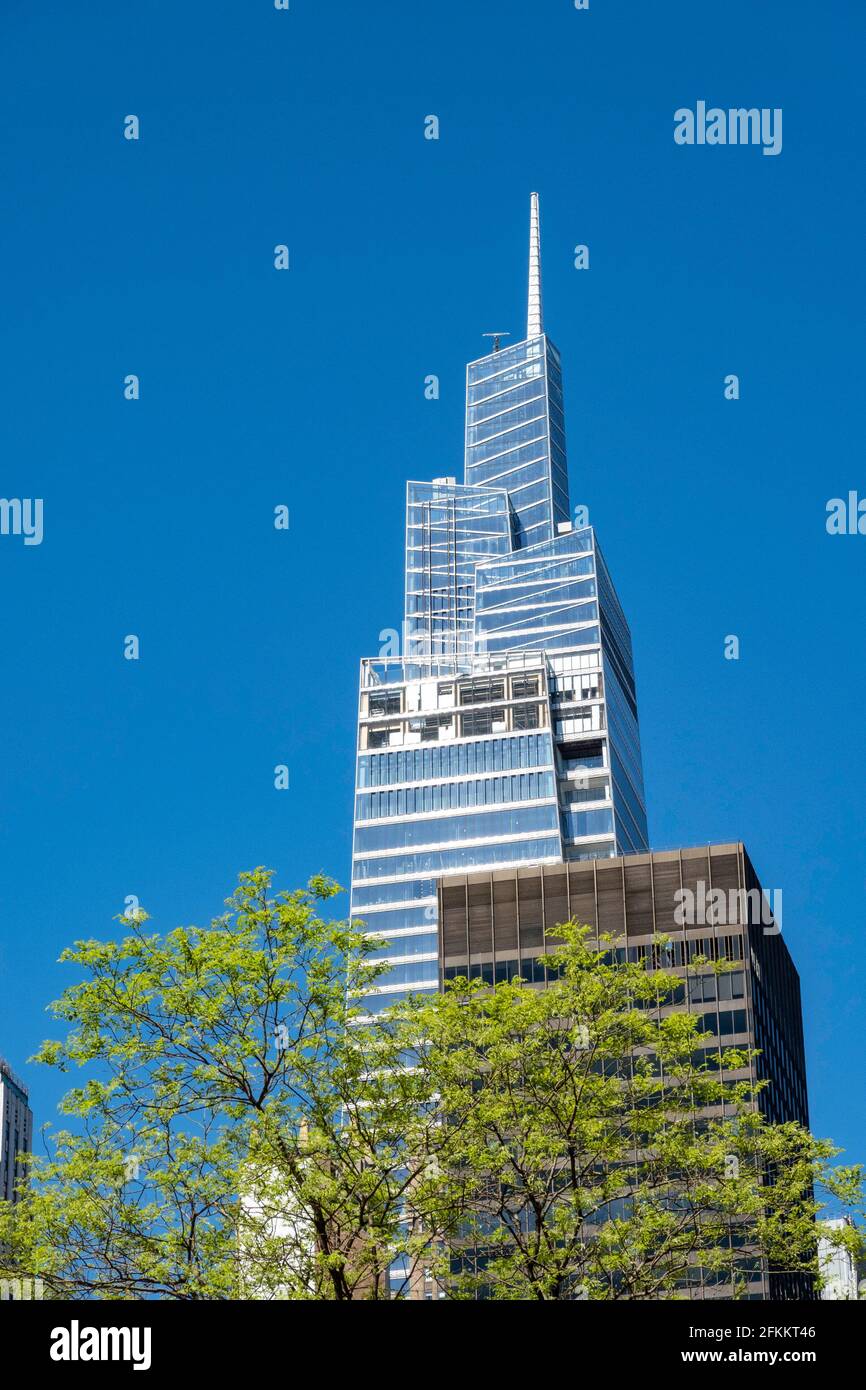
306 388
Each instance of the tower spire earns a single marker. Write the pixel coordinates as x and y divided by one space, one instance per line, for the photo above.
534 324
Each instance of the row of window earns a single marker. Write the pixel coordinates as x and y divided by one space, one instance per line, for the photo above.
455 760
419 945
380 894
563 666
481 690
454 796
600 849
535 638
577 824
515 575
586 685
702 988
510 610
518 396
706 989
523 470
579 759
497 363
537 590
531 969
678 952
375 1003
711 1057
473 723
586 719
481 825
725 1023
500 422
458 858
396 919
493 720
495 446
596 791
417 973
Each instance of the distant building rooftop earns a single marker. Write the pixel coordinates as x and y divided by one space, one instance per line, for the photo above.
6 1070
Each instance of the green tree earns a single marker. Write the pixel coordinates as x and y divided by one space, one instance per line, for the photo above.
598 1153
241 1131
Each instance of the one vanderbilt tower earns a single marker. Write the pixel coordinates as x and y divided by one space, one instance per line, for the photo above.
506 734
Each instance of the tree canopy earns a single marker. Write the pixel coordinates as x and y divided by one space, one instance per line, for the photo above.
243 1130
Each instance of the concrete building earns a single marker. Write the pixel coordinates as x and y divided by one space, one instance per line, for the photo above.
494 926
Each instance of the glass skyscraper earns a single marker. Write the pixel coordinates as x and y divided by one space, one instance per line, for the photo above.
507 731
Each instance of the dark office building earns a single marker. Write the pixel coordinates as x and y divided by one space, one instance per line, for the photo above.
16 1130
709 902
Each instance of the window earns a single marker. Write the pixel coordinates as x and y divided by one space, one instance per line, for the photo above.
482 971
410 973
596 791
482 721
384 702
450 858
579 823
481 692
506 970
724 1024
523 685
583 719
455 760
731 947
377 836
701 946
732 986
702 989
732 1021
583 687
431 725
526 717
420 944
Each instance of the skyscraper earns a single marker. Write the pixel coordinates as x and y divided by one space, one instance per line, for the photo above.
16 1130
506 730
499 787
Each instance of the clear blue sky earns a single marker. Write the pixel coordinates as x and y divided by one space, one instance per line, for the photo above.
306 388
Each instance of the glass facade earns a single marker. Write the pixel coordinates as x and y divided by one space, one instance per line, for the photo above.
506 733
449 528
542 598
515 435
